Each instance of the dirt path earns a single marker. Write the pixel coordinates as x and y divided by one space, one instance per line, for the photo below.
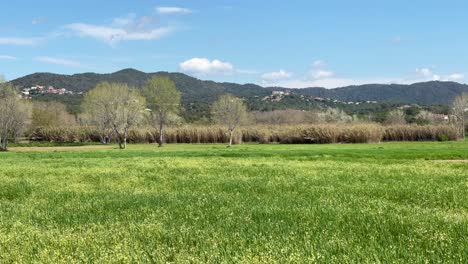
64 148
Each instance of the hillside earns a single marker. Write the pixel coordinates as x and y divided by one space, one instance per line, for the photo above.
193 89
426 93
197 95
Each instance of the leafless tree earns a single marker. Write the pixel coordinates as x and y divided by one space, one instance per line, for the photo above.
14 114
229 111
460 110
395 117
116 107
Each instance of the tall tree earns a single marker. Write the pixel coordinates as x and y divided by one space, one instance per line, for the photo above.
163 102
460 110
116 107
14 113
229 111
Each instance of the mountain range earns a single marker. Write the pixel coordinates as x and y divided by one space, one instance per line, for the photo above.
195 90
198 95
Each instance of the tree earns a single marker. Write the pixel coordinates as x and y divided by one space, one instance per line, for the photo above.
51 114
395 117
459 111
116 107
229 111
14 113
163 102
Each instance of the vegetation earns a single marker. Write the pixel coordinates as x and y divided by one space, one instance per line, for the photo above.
114 108
50 114
230 112
460 110
298 134
14 114
362 203
163 101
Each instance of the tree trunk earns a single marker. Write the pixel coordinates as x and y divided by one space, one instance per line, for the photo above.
125 138
161 134
463 127
231 132
4 144
121 143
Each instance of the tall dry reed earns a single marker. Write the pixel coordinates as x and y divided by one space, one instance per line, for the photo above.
288 134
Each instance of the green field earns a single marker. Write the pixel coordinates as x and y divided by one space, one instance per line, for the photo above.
389 202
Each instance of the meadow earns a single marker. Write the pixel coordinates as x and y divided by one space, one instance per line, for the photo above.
274 203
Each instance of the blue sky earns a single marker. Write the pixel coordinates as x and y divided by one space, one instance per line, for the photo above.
290 43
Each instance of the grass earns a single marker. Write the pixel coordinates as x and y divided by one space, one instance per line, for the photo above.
389 202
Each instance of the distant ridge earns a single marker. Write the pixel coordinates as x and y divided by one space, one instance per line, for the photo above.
195 90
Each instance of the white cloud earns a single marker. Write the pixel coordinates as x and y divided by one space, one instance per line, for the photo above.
426 72
172 10
322 74
456 77
7 57
63 62
204 66
127 28
323 78
39 20
20 41
319 64
115 35
275 76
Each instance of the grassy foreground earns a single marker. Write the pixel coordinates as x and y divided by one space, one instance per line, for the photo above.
391 202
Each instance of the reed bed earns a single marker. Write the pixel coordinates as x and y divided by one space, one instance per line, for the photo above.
297 134
421 133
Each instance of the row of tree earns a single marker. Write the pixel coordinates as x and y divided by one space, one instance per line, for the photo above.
114 108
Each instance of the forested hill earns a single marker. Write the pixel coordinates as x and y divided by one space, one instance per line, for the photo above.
425 93
198 91
192 89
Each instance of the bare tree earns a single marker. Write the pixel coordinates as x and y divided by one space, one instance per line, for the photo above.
14 113
229 111
116 107
459 111
163 102
395 117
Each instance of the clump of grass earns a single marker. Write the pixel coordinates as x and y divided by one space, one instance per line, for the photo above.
14 190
